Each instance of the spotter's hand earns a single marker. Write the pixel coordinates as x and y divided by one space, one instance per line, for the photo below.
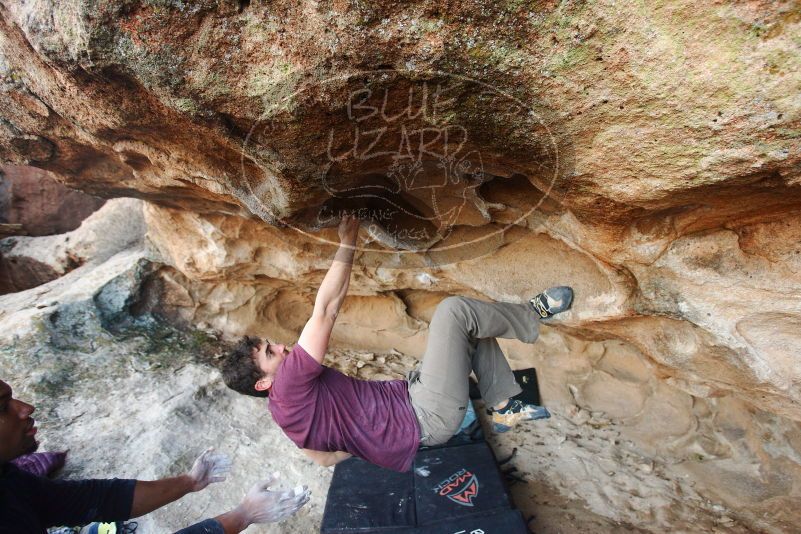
209 467
263 505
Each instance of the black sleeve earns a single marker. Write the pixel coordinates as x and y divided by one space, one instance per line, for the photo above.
209 526
78 502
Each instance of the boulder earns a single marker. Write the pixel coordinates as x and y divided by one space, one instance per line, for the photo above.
32 199
648 155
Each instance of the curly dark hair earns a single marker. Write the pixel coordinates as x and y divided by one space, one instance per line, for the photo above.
239 370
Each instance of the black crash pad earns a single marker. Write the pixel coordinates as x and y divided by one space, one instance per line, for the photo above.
455 488
452 489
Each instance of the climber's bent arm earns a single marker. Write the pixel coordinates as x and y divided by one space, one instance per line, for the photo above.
326 459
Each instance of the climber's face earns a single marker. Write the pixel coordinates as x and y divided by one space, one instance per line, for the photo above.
268 356
17 427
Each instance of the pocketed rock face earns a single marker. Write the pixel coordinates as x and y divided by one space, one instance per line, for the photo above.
669 108
648 155
637 372
31 198
28 262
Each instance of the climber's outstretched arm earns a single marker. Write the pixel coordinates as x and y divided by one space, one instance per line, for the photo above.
315 335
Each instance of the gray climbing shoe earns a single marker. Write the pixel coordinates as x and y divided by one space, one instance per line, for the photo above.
552 301
516 411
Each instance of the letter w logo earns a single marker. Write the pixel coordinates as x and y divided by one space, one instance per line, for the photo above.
461 487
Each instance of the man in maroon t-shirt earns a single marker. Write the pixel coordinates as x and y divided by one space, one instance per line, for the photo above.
332 416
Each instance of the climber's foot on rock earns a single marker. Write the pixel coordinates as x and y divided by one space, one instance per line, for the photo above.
552 301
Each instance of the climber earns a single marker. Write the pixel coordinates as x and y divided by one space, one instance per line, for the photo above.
30 504
331 416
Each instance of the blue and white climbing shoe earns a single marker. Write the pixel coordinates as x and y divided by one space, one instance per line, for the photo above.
514 412
552 301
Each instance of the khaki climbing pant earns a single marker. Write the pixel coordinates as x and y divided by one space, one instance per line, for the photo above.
461 339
